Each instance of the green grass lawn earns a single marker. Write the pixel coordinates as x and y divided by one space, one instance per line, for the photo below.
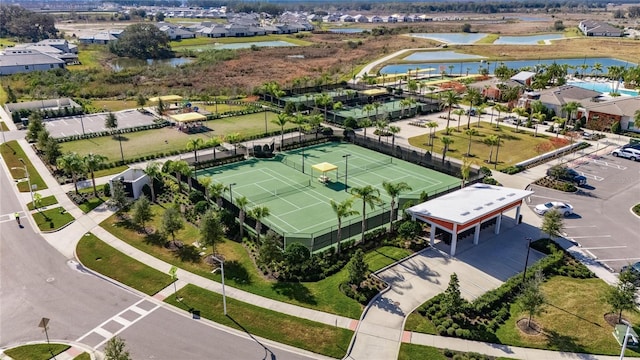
412 351
111 171
3 126
514 147
52 219
12 153
301 333
198 42
636 209
98 256
573 320
148 142
83 356
92 202
45 201
89 58
489 39
241 273
222 108
36 351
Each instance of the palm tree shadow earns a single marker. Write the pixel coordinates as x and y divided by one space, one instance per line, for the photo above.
576 315
296 291
268 354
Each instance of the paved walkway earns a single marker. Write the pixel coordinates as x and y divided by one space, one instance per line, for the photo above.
380 330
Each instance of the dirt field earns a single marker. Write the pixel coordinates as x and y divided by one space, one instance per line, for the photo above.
340 54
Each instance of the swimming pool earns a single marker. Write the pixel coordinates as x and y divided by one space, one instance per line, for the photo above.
603 87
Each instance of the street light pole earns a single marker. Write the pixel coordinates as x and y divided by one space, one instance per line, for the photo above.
526 261
26 173
346 170
303 160
265 121
626 339
82 123
495 165
224 296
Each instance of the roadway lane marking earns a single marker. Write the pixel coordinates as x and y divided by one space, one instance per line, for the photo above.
625 259
99 330
590 236
577 226
604 247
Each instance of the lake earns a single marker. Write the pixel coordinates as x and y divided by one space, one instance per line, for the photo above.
452 38
247 45
123 63
439 55
526 40
474 66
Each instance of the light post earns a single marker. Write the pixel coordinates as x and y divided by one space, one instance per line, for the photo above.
346 167
495 165
26 172
303 160
626 339
526 261
224 297
265 121
231 192
82 122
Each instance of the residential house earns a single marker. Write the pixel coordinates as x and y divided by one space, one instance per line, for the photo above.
360 19
555 98
13 61
331 18
524 77
347 18
492 88
599 28
601 115
376 19
392 19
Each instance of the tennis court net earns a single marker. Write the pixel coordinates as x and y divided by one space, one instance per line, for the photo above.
355 169
291 164
280 190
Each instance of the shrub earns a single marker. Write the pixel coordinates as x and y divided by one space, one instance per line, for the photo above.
107 190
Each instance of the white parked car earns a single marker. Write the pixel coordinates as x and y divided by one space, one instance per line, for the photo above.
561 207
628 153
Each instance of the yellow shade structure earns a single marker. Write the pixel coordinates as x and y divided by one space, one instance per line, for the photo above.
324 168
188 117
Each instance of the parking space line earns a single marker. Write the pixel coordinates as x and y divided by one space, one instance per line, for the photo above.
593 177
605 163
577 227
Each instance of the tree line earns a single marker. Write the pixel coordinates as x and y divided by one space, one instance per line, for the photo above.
23 24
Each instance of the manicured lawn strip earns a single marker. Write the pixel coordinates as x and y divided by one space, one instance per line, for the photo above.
573 320
412 351
52 219
45 201
3 126
489 39
91 204
514 147
222 107
416 322
97 255
186 44
384 256
166 140
111 171
83 356
636 209
301 333
12 153
114 105
240 272
36 351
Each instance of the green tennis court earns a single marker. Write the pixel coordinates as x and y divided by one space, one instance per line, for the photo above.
299 202
393 106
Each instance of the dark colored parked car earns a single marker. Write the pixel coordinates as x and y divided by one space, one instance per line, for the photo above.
567 174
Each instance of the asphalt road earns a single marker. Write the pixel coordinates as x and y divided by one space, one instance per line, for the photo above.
603 224
36 281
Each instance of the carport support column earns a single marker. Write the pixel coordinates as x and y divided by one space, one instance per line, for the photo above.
432 235
518 214
476 234
454 239
498 223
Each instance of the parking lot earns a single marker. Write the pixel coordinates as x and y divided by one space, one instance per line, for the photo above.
76 125
603 224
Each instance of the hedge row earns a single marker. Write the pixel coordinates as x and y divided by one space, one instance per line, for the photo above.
156 125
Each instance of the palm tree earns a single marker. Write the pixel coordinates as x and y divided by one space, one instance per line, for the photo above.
93 162
492 141
369 196
615 73
597 68
480 110
451 100
216 190
446 141
570 108
241 203
315 120
152 170
299 120
541 117
259 213
459 112
376 106
465 169
521 112
394 190
364 124
381 127
432 125
336 107
72 164
181 168
471 133
214 142
473 96
368 108
234 138
205 181
393 130
501 108
557 123
281 121
193 145
343 210
324 100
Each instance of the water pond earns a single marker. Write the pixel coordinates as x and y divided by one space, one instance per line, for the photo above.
276 43
439 55
123 63
346 30
526 40
452 38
